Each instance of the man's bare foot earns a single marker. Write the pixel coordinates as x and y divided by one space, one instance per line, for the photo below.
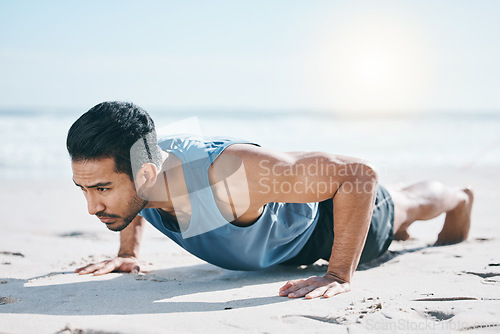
457 222
401 234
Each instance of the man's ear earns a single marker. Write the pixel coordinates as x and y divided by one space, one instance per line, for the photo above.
145 178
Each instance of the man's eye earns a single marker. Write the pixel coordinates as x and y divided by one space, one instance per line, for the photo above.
102 189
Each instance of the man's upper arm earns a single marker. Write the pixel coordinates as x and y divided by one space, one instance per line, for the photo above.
298 177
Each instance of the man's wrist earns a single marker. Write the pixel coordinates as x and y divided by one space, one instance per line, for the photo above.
127 255
338 277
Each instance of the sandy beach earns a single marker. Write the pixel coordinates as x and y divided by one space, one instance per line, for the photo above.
47 233
410 86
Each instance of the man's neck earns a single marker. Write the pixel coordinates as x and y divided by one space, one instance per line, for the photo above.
169 181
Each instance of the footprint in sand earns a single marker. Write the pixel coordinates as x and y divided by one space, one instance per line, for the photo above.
12 253
439 315
435 316
487 278
444 299
70 330
8 300
482 239
78 234
330 320
352 314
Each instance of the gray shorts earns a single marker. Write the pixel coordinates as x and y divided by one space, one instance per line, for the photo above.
380 235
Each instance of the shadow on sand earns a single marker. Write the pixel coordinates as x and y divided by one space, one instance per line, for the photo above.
67 293
390 255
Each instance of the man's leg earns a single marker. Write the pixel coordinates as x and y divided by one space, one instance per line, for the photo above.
427 200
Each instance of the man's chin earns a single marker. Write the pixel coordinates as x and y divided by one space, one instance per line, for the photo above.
117 226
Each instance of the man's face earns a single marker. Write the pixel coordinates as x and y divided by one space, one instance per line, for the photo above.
110 196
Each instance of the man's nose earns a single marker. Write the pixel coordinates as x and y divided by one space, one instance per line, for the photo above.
94 205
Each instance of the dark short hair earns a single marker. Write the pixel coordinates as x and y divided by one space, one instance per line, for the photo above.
109 130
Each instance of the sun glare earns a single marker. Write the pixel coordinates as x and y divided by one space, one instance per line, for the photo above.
373 64
373 68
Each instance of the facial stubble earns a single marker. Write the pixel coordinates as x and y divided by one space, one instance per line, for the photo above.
135 205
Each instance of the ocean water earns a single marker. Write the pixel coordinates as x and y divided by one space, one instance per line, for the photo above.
32 143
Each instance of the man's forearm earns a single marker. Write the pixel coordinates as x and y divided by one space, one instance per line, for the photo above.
353 208
131 237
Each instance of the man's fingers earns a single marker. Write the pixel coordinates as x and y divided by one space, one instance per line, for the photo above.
286 286
318 292
302 291
88 269
290 283
92 267
292 286
335 290
314 287
118 264
107 268
329 290
297 287
79 269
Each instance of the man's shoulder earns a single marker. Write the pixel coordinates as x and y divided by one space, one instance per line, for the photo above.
195 147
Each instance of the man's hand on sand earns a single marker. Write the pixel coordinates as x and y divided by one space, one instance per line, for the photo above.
314 286
118 264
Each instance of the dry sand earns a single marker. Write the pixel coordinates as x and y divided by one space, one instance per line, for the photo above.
46 234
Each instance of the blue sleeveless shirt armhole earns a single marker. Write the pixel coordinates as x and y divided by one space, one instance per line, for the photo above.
278 234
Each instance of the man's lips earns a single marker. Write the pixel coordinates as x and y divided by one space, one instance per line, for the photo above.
106 220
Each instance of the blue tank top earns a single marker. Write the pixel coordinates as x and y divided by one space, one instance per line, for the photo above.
278 234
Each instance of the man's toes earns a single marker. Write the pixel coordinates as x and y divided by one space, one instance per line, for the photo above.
401 235
439 243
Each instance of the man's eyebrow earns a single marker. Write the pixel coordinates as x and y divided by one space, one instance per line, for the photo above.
97 185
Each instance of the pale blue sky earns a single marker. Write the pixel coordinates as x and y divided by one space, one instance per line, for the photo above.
228 55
